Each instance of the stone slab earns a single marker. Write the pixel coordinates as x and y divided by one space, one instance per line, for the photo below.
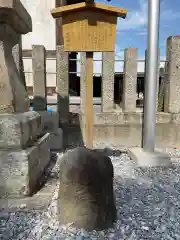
149 159
14 13
19 130
22 170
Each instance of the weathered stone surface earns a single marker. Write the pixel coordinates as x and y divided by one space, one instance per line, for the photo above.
13 13
62 75
108 81
13 95
172 88
21 170
122 130
39 77
86 196
14 20
19 130
130 80
17 55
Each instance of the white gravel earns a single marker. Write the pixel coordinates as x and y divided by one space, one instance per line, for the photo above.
148 204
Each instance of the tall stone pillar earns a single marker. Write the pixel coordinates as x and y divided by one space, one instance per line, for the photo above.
107 102
172 89
130 80
62 81
39 78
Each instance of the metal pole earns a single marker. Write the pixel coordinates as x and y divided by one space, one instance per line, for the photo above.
151 76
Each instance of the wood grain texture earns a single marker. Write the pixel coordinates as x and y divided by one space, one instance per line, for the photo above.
85 31
89 101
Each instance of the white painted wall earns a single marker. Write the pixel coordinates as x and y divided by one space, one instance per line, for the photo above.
43 24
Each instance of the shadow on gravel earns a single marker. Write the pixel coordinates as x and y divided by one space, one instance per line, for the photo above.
110 152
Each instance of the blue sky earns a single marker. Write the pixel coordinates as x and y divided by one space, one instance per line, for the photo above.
132 31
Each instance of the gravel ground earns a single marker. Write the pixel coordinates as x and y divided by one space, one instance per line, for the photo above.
148 203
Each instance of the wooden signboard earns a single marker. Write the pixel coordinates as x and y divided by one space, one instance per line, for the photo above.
89 27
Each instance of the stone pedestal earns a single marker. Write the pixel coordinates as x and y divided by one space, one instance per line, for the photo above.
149 159
24 148
24 153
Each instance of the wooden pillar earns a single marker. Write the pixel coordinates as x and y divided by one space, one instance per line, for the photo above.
89 115
83 81
59 35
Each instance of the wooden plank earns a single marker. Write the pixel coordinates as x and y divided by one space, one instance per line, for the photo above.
116 11
89 101
59 34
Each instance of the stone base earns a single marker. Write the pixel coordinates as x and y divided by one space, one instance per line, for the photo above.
148 159
22 170
19 130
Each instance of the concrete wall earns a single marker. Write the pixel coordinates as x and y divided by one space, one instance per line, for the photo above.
124 130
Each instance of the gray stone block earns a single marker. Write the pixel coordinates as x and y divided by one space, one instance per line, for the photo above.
21 170
19 130
14 13
86 195
108 81
39 77
62 76
130 80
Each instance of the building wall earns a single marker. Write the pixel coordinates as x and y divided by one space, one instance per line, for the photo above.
43 24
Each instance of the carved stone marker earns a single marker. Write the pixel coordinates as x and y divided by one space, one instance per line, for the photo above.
14 21
86 196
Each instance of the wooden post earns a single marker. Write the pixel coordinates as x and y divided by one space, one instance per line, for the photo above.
89 101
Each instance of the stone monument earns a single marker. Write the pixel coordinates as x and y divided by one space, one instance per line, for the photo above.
24 149
86 197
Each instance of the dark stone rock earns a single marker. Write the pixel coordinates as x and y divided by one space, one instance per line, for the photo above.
86 196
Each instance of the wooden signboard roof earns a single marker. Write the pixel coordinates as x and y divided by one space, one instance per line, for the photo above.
116 11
